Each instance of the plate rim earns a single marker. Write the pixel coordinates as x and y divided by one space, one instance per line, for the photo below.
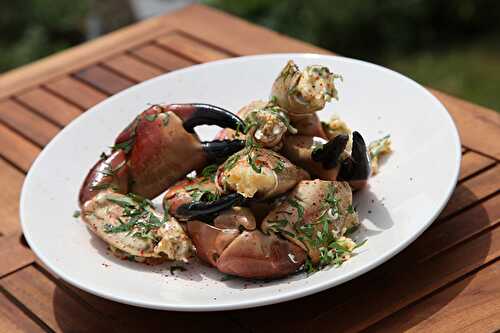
261 300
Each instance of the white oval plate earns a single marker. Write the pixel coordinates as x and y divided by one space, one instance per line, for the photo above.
401 202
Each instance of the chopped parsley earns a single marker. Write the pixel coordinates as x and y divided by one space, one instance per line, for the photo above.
151 117
141 219
99 187
166 119
280 166
209 171
300 209
251 161
231 161
76 214
126 146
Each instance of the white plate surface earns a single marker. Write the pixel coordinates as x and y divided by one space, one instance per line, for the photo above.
401 202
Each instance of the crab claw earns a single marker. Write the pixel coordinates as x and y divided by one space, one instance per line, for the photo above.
159 147
356 168
202 209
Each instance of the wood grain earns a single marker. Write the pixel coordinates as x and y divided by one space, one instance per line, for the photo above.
29 124
414 282
16 149
14 254
76 92
472 190
479 127
473 163
81 56
470 305
190 48
233 34
52 107
13 320
11 181
132 68
52 304
160 57
103 79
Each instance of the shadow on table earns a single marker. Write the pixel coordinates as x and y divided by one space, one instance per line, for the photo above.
393 285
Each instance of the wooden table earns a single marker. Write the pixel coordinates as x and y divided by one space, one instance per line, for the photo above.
447 280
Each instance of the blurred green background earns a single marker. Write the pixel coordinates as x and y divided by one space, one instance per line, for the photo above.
452 45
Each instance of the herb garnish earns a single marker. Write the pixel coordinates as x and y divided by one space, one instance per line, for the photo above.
231 161
300 209
251 161
280 166
99 187
142 221
76 214
151 117
209 171
126 146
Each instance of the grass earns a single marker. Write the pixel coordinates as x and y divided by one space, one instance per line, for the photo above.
471 71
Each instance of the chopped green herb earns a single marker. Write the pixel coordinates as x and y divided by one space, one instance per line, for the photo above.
360 244
76 214
280 166
209 171
166 119
251 161
151 117
99 187
378 146
298 207
231 161
103 156
274 100
126 146
227 278
351 230
351 209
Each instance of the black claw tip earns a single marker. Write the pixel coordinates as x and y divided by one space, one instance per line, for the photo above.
206 114
328 155
219 150
357 166
203 209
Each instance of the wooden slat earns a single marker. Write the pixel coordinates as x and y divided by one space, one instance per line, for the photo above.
14 254
29 124
13 320
191 48
472 190
145 320
471 305
463 226
76 92
455 230
50 106
479 127
132 68
472 163
233 34
17 149
161 57
104 79
53 305
81 56
11 181
411 283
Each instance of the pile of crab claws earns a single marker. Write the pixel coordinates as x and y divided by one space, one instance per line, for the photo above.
205 209
356 168
328 155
